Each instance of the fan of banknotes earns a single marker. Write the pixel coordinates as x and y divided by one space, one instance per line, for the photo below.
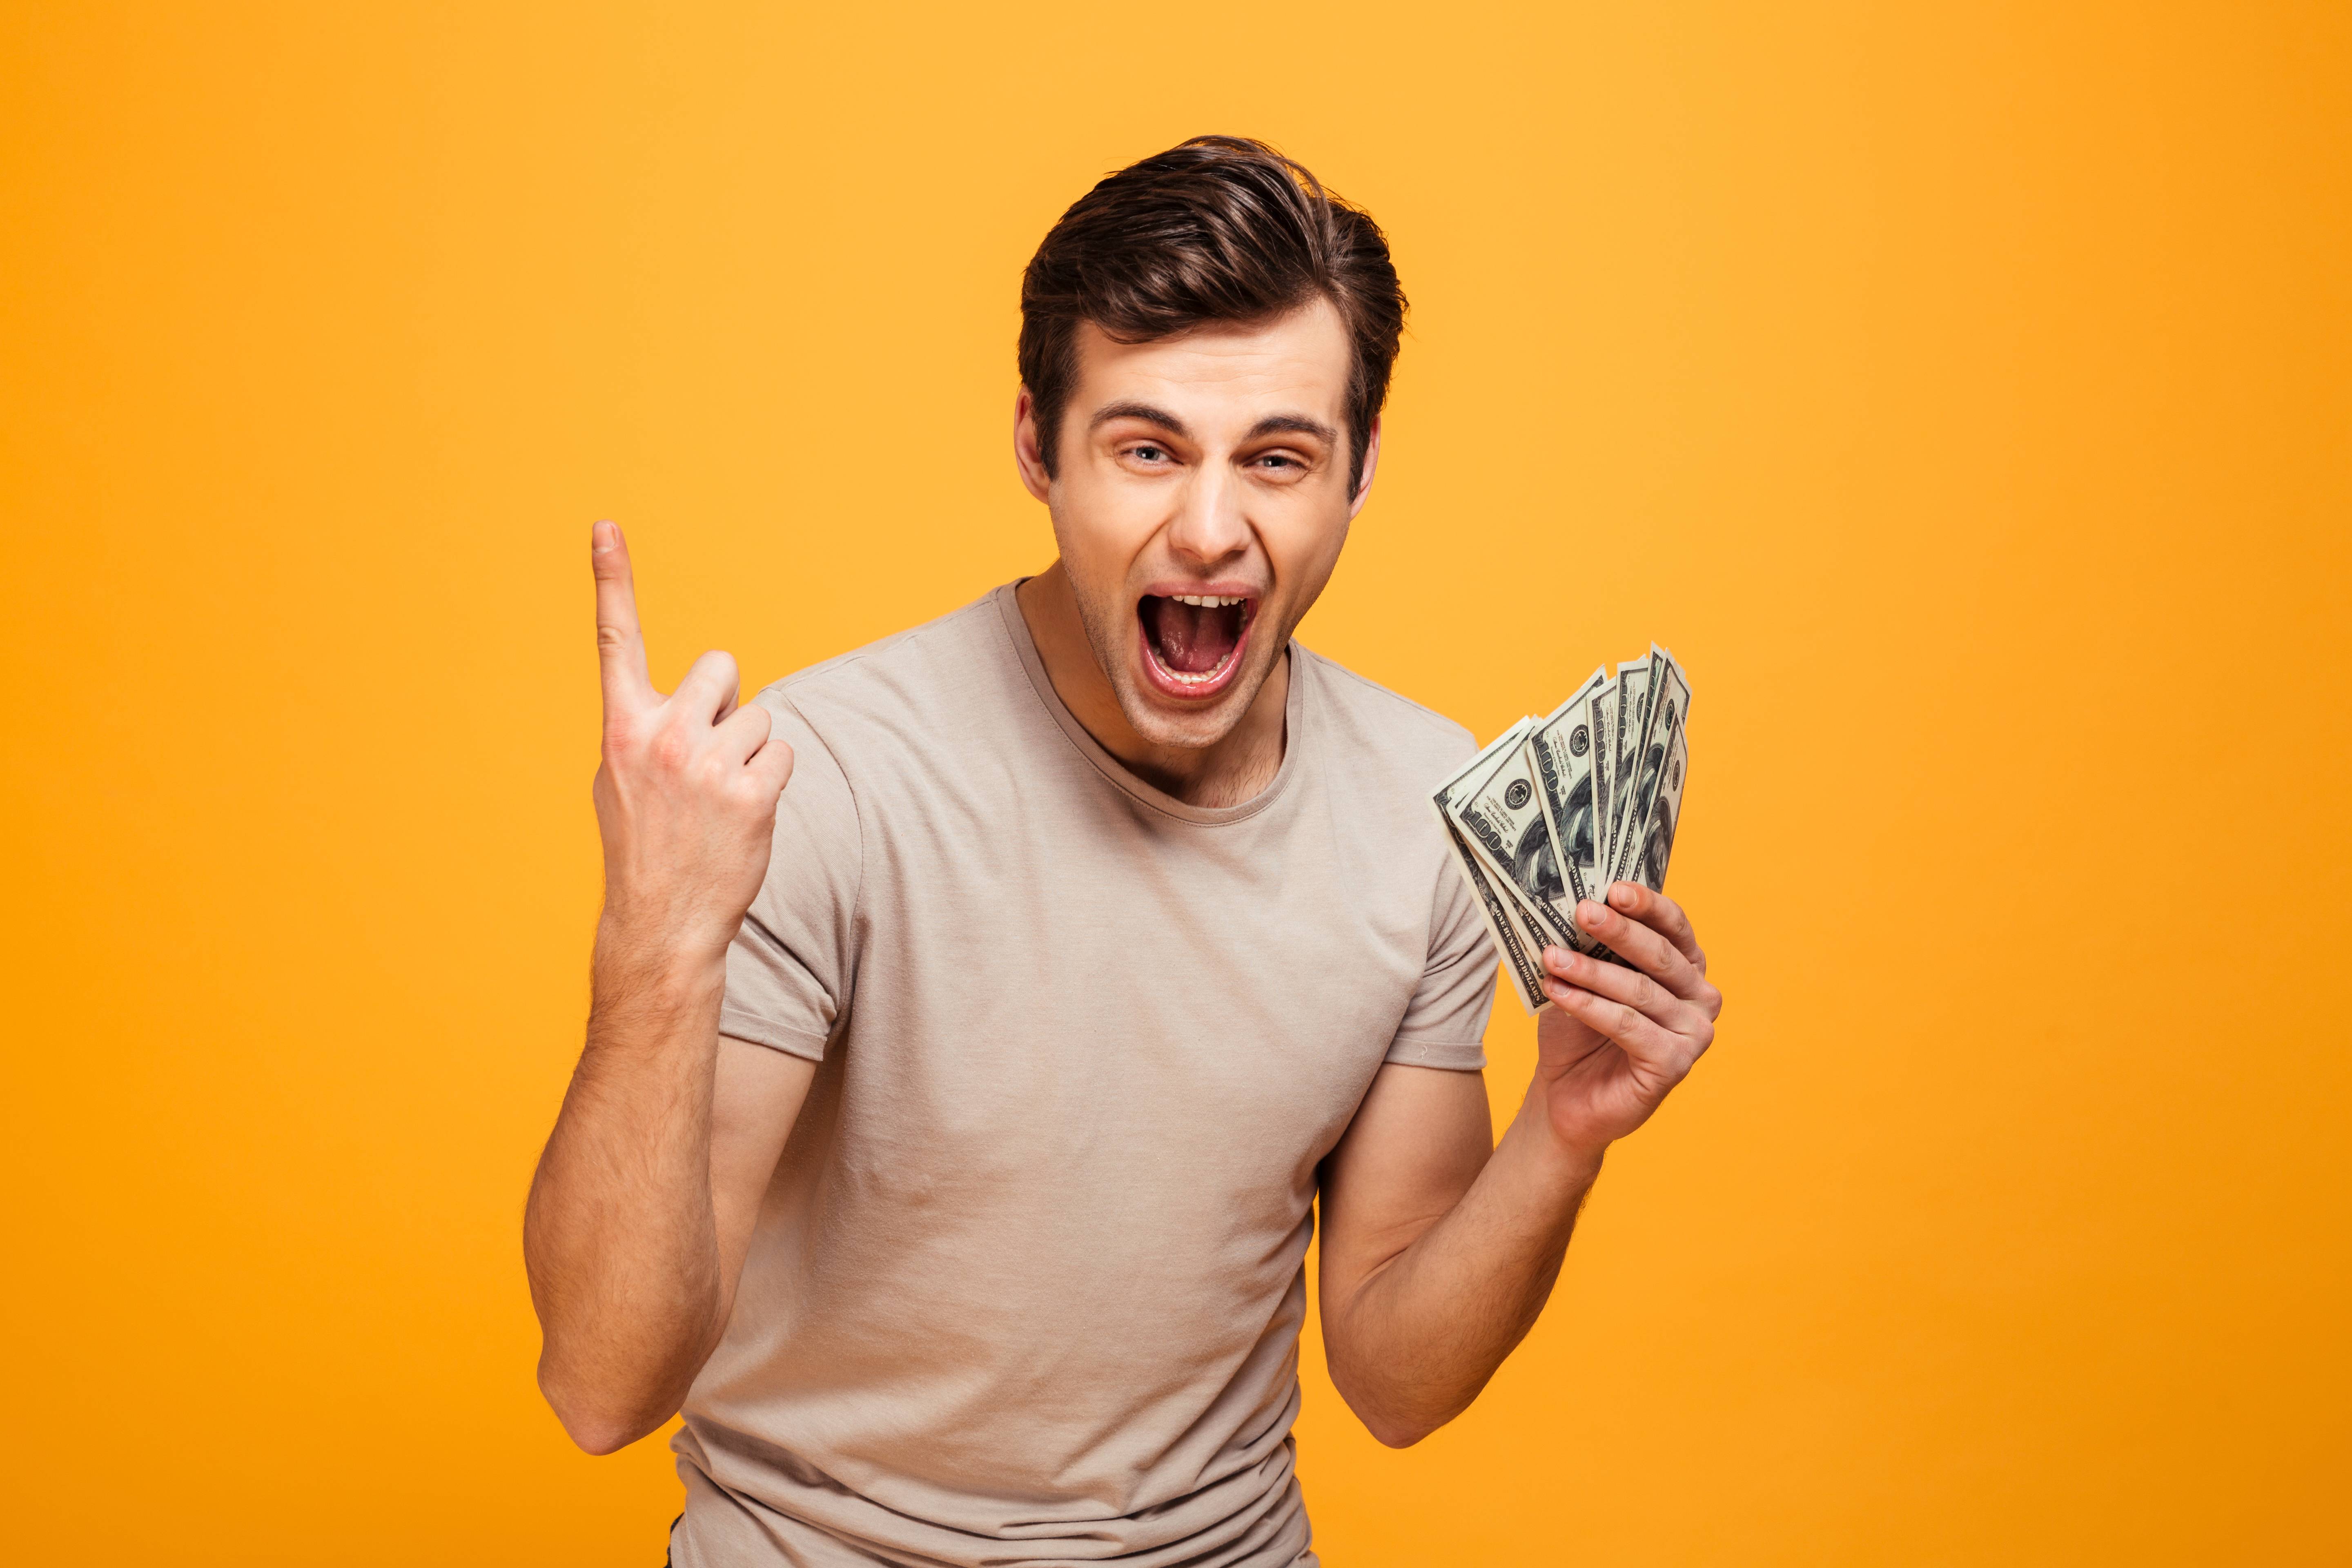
1559 808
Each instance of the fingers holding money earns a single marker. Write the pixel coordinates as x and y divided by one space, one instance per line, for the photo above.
1649 1045
1661 914
1638 1012
1649 951
1583 805
1564 826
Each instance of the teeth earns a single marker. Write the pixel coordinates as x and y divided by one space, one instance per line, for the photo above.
1204 678
1208 601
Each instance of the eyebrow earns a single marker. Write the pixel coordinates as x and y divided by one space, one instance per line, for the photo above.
1295 425
1143 411
1272 425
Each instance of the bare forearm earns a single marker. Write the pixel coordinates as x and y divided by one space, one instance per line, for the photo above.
1423 1334
620 1235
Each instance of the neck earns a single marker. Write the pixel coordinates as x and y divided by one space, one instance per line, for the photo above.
1236 767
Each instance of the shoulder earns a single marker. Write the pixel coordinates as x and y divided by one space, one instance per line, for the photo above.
1382 728
911 683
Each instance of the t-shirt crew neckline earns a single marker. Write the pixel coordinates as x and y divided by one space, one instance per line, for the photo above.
1016 627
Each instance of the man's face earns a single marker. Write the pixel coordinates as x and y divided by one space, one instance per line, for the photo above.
1201 501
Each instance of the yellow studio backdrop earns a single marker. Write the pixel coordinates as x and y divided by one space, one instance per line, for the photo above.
1961 390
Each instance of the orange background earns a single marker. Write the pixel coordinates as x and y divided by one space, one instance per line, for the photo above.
1962 391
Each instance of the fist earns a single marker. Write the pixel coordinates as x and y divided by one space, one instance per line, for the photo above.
686 795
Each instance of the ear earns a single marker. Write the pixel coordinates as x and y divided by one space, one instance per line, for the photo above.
1371 467
1025 456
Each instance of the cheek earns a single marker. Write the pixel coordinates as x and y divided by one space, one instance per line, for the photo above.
1102 528
1304 546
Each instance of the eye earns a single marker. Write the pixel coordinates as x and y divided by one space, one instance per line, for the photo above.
1276 462
1147 453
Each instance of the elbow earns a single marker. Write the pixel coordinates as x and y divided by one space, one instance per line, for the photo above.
1392 1420
1393 1433
597 1424
598 1436
1395 1436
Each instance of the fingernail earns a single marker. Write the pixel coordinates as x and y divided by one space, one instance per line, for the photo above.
603 536
1621 895
1590 913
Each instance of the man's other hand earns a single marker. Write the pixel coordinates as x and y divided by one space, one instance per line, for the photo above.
642 1210
1618 1039
686 796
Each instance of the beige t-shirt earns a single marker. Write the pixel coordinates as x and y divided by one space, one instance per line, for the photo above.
1027 1285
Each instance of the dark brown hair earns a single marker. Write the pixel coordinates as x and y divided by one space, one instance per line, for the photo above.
1219 229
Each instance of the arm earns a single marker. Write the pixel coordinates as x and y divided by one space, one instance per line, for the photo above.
1437 1255
644 1200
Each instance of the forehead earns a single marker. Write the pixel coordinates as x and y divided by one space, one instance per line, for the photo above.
1227 373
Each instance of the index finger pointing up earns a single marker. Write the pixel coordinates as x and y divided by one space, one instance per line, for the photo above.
620 646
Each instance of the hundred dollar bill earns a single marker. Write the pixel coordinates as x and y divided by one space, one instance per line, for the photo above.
1527 977
1655 843
1562 749
1600 719
1537 926
1632 712
1501 813
1503 922
1469 772
1467 783
1534 936
1666 710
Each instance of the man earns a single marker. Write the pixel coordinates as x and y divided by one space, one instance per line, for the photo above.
948 1131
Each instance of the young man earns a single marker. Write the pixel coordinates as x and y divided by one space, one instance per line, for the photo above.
948 1132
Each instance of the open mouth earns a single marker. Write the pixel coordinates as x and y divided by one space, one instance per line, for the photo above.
1192 642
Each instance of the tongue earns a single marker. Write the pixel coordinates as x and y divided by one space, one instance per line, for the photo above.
1191 640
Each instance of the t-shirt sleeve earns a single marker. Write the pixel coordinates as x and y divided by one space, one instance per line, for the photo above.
789 969
1445 1023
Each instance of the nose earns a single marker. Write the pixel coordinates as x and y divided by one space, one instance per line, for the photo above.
1209 527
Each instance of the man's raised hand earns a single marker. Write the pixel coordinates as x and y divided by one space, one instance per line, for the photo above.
686 795
643 1204
1618 1039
